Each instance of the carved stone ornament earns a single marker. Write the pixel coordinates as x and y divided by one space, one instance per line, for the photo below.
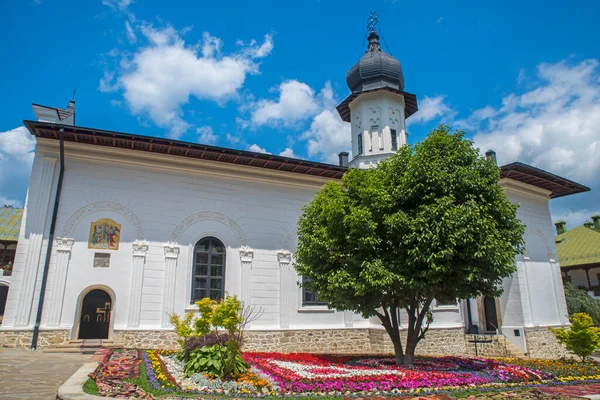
171 250
284 257
246 254
64 244
140 247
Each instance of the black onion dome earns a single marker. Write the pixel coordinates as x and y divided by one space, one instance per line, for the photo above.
375 70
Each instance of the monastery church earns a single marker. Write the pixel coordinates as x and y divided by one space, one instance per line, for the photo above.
120 230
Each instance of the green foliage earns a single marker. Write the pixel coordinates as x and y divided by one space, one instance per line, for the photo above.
582 338
429 222
182 326
221 361
579 301
90 387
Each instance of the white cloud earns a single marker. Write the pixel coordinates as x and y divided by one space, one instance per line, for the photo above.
120 5
296 101
257 149
18 144
107 83
16 158
554 126
131 36
5 201
431 108
575 218
288 152
165 72
328 136
206 135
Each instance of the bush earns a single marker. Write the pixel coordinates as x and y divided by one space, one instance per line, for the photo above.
211 343
579 301
196 342
217 360
583 337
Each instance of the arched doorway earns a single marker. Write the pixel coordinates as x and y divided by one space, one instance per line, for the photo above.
491 314
96 310
3 297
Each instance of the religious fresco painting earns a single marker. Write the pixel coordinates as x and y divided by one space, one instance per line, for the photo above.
105 234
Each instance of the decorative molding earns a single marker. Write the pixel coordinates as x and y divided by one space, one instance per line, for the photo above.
284 257
140 247
69 226
246 254
64 244
171 250
208 216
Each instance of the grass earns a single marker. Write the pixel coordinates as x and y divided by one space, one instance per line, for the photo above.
90 387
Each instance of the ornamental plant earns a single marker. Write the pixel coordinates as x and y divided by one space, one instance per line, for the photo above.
219 323
582 338
430 222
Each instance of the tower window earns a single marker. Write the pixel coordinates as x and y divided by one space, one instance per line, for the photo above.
394 139
360 143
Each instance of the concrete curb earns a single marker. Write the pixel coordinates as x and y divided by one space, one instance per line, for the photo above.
72 389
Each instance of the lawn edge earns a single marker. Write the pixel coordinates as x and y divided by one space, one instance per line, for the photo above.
72 389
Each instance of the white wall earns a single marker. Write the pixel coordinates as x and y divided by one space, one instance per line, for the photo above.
534 295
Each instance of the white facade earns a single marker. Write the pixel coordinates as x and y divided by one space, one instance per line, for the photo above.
166 204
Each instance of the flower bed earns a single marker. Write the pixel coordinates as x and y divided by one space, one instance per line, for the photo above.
112 371
291 374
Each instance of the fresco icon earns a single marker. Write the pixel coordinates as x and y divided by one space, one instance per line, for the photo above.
105 234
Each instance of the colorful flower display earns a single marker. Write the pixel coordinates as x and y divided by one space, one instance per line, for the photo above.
368 377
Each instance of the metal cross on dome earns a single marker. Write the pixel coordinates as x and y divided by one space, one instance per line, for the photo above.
372 21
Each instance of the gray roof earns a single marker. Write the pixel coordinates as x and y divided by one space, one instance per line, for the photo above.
375 70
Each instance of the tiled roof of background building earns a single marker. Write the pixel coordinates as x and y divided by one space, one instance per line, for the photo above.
577 246
10 223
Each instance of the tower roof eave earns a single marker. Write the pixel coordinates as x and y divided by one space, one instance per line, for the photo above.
410 101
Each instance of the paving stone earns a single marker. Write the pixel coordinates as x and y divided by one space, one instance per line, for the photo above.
26 374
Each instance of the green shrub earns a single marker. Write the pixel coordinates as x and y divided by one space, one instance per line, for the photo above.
582 338
579 301
220 361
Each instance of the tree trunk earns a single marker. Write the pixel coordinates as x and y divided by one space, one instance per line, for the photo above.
398 353
409 354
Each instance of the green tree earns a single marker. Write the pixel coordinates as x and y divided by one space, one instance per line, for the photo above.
430 222
579 301
582 338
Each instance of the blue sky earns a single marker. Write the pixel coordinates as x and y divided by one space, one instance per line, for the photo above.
265 75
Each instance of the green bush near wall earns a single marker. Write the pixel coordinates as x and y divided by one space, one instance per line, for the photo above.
579 301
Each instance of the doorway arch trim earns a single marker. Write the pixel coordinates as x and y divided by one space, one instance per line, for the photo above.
84 292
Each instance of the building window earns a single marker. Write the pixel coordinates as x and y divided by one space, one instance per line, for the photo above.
7 257
441 303
360 143
394 139
310 298
209 270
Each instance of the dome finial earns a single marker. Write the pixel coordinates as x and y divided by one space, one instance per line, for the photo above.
373 42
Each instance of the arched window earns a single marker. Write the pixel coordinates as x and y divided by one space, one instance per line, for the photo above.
209 270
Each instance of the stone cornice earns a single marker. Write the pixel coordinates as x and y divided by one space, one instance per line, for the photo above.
171 250
64 244
104 155
246 254
140 247
284 257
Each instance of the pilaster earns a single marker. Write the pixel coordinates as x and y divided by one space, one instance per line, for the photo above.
246 256
171 255
284 257
57 287
36 221
140 248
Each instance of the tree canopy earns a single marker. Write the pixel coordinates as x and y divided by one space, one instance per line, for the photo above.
430 222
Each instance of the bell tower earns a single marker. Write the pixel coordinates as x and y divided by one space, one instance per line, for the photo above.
378 106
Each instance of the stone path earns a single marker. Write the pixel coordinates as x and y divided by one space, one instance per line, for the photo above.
26 374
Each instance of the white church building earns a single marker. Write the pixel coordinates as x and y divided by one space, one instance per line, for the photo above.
121 230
